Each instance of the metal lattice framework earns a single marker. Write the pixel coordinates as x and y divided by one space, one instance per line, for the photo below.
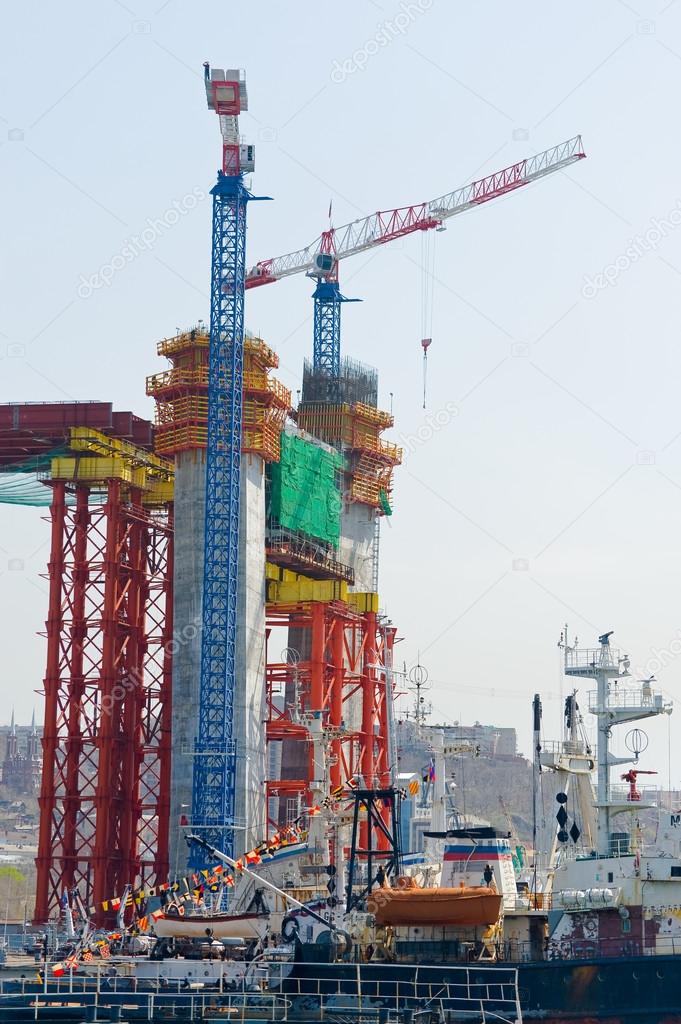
321 257
214 764
347 678
385 226
327 318
106 740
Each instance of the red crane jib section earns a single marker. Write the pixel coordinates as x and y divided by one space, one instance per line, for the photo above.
392 224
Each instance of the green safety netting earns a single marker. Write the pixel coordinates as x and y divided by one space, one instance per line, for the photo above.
304 493
20 484
385 504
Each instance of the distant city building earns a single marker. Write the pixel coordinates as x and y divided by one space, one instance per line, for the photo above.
495 741
21 754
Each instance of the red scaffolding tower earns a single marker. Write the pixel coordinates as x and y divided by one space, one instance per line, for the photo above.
104 795
106 739
345 678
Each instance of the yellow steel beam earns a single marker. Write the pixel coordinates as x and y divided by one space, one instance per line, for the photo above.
85 439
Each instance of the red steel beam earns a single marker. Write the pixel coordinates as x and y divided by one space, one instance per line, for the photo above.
54 627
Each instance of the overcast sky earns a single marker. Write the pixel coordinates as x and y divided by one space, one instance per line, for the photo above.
542 484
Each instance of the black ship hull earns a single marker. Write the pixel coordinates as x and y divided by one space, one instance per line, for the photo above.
598 990
607 990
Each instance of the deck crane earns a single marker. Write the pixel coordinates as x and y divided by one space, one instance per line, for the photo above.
213 782
319 260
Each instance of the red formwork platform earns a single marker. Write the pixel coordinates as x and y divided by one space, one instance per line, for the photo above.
104 799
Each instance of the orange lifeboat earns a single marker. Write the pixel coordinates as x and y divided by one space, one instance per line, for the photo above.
409 904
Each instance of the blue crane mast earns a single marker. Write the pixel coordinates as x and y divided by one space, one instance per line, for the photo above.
326 353
213 782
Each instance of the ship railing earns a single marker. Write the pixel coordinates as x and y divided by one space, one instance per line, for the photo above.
646 794
591 660
519 951
627 697
442 990
353 992
529 901
556 747
664 945
96 1004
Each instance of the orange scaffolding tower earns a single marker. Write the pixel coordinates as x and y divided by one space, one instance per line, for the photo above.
181 395
357 428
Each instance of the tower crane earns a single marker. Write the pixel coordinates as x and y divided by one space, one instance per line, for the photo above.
319 260
213 781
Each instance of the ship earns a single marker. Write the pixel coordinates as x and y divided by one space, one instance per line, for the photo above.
591 932
594 933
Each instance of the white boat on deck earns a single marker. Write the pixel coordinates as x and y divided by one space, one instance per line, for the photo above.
218 926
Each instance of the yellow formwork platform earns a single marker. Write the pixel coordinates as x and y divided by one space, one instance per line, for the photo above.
172 439
96 470
85 439
363 601
100 458
178 377
196 337
287 587
306 590
258 351
159 492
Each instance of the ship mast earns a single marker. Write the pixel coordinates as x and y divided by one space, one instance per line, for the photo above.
536 769
612 705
